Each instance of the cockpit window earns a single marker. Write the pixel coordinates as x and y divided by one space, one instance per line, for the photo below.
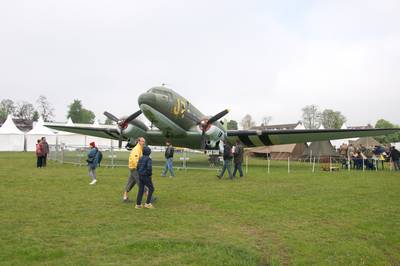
158 91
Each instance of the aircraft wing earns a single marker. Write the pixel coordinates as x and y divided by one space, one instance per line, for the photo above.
253 138
103 132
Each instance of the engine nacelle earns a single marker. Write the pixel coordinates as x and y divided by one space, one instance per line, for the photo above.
214 135
135 129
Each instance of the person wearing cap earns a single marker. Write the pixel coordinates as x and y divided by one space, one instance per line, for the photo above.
145 171
93 161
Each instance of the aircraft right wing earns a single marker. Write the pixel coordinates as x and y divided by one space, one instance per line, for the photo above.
253 138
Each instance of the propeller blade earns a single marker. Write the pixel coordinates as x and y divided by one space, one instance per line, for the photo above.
130 118
203 141
111 116
133 116
120 141
218 116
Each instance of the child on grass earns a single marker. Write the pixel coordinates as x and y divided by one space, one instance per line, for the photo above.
145 172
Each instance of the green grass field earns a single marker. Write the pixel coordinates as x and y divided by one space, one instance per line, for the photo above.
52 216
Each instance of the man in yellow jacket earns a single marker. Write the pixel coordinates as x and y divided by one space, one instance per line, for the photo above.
134 157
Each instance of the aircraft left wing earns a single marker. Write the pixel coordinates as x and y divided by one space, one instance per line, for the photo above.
253 138
103 131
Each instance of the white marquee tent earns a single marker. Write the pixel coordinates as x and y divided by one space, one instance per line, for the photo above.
11 138
38 131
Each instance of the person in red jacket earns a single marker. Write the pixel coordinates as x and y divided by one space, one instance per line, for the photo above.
39 154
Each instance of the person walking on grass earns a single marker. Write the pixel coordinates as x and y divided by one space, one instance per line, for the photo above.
145 171
93 161
169 155
238 158
133 178
394 154
227 161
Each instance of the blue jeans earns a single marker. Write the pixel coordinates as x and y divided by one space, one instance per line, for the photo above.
238 166
227 166
168 166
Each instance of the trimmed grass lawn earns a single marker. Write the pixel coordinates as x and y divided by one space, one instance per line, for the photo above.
53 216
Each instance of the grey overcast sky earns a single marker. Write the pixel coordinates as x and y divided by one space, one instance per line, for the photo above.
264 58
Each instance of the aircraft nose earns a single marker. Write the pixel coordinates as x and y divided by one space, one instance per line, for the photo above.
147 98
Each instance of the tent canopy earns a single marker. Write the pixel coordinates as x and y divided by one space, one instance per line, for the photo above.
10 128
368 142
320 148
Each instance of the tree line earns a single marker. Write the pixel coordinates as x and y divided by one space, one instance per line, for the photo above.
26 110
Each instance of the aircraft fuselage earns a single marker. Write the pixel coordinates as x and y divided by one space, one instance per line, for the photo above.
177 118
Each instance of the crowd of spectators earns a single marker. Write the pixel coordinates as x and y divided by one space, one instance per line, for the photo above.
362 157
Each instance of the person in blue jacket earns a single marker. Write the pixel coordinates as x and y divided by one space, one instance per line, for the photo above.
145 171
93 162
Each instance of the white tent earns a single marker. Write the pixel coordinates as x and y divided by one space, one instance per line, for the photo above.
38 131
11 138
299 126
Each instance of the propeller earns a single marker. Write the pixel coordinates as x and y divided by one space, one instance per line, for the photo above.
122 123
206 123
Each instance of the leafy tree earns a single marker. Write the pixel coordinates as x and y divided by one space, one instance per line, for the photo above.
386 139
232 125
247 122
24 110
332 119
7 107
35 116
78 114
311 117
108 121
44 108
265 120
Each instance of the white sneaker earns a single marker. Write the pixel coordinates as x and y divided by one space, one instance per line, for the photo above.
93 182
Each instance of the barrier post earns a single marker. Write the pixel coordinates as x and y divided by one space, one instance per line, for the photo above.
313 166
288 164
247 164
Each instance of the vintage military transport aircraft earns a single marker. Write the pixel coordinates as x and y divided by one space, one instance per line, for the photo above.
180 122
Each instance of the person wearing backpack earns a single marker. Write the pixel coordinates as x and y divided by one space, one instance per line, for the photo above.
93 161
169 155
227 160
145 171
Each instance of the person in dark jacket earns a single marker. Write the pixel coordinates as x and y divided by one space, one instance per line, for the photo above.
394 154
169 156
145 171
238 158
46 151
93 161
227 161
